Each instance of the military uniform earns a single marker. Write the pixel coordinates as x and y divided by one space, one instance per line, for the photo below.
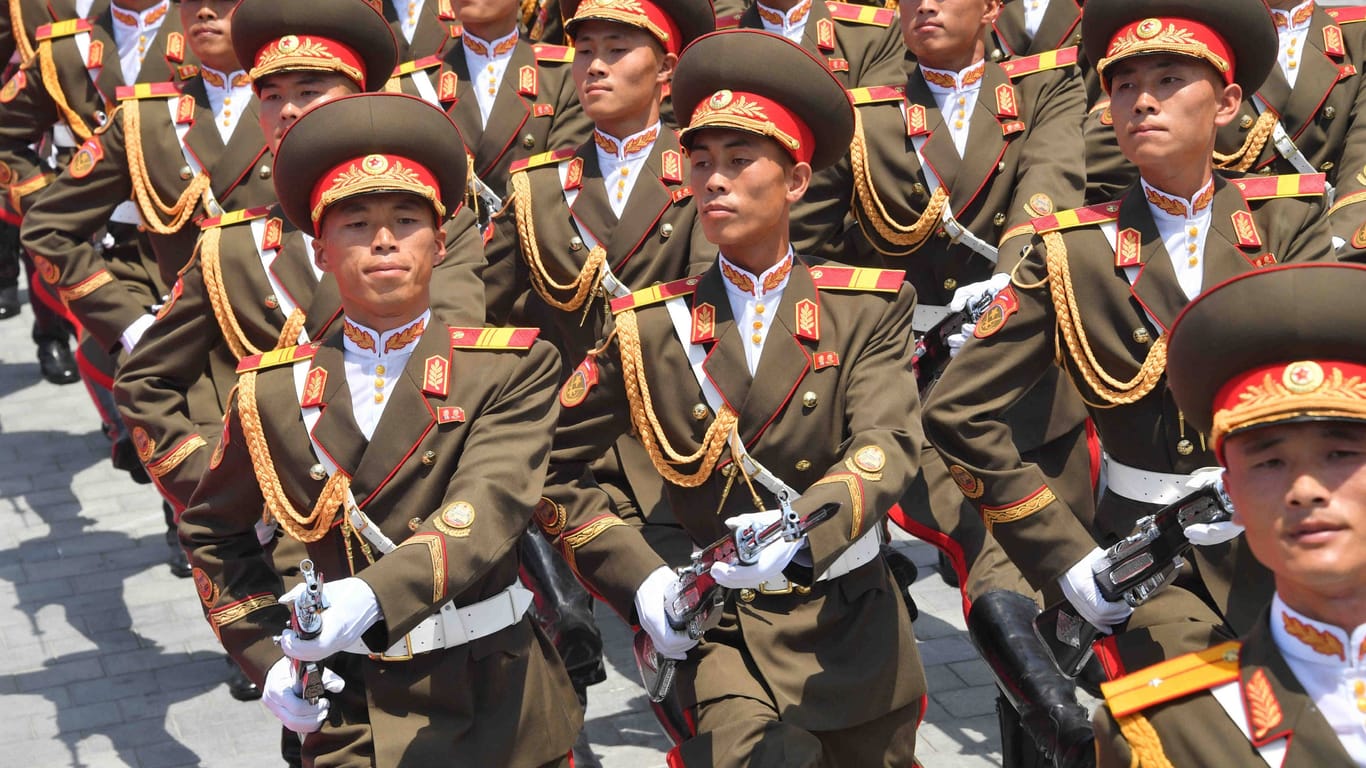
1058 27
422 28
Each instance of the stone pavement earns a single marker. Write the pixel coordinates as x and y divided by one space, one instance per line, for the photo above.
106 660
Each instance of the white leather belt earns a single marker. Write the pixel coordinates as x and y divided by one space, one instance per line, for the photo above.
861 552
126 213
456 625
1143 485
63 137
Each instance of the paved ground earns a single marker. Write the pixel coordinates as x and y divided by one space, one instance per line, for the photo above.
105 659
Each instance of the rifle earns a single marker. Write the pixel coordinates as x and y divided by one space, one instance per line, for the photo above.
489 202
1133 570
932 326
307 622
693 607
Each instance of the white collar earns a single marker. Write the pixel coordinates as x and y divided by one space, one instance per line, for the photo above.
628 148
490 49
948 81
364 342
147 20
792 18
742 282
1314 642
1295 19
1165 206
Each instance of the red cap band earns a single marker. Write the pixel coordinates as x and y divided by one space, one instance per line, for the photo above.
309 52
374 173
1169 35
1327 389
744 111
636 13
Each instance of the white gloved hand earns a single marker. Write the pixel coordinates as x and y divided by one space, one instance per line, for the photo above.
772 559
296 713
972 294
1079 587
658 589
351 609
955 341
1209 534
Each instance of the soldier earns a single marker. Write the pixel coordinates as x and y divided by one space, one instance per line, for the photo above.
1281 403
1097 290
1032 27
424 443
768 357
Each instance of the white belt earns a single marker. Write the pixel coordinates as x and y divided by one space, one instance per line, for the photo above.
62 136
1143 485
864 549
126 213
456 625
956 232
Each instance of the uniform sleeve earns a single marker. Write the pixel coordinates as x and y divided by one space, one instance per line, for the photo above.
1310 238
505 281
1347 218
884 52
458 281
1108 171
963 420
23 121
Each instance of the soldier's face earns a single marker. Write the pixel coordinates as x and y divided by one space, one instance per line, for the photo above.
1166 110
381 248
1300 490
285 96
619 72
943 33
743 186
483 12
208 25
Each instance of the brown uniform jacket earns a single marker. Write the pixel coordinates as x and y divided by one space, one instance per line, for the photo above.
1059 28
1191 728
1021 337
500 700
823 412
435 26
173 390
114 166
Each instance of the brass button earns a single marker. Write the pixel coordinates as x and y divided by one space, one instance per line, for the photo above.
1327 166
940 233
1001 167
918 189
747 595
528 141
100 117
1329 113
576 243
263 172
700 412
414 524
666 230
803 465
1185 447
429 458
186 173
999 219
317 472
809 399
997 54
757 339
1141 336
728 470
272 302
1245 122
950 284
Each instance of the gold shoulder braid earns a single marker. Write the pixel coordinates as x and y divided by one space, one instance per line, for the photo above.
48 68
1243 158
316 524
149 203
1110 389
21 42
646 424
894 232
582 285
209 265
1144 745
294 324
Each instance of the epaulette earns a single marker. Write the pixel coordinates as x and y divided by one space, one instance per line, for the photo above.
493 338
1288 185
538 160
1077 217
1172 679
1348 14
562 54
655 294
409 67
276 357
146 91
858 278
861 14
727 22
877 94
235 217
1062 57
65 28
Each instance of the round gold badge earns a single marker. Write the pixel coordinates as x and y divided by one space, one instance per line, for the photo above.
143 444
1302 377
456 519
575 390
208 591
1148 29
288 44
991 321
720 99
82 164
967 483
375 164
46 269
870 459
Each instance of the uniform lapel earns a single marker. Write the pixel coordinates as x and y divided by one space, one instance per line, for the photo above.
940 156
510 111
985 140
292 268
1318 75
336 430
465 113
1155 286
811 32
1057 24
725 364
591 210
431 33
648 201
1275 90
785 359
406 419
245 145
1010 29
202 138
110 78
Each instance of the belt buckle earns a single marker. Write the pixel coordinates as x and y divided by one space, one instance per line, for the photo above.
408 656
764 589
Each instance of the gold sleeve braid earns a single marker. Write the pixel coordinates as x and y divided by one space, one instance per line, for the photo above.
647 427
48 68
149 203
582 285
875 213
1110 389
306 528
1244 157
1144 745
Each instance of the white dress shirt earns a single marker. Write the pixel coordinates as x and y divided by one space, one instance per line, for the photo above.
1034 11
790 24
488 61
956 94
1330 664
621 160
754 301
374 361
229 94
1292 27
1183 226
409 12
133 33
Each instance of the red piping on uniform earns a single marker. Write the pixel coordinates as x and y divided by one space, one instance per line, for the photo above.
941 541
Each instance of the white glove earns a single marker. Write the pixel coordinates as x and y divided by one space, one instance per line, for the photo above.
972 294
658 589
351 609
133 333
772 559
296 713
1079 587
955 341
1209 534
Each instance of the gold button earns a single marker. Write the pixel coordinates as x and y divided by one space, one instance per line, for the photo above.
1193 231
666 230
1001 167
728 470
950 284
1142 336
1185 447
809 399
379 398
758 325
317 472
528 141
756 338
918 189
1245 122
379 383
999 219
414 524
1329 113
1190 247
185 172
263 172
429 458
700 412
379 369
803 465
272 302
759 308
1327 166
747 595
576 243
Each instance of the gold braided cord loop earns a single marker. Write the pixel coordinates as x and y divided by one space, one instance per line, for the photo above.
211 267
1244 157
894 232
149 203
21 42
306 528
646 424
294 325
48 67
582 285
1109 388
1144 744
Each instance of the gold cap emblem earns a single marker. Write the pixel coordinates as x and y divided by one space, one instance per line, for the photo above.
375 164
720 99
1302 377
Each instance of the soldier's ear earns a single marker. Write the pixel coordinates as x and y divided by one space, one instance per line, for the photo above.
1230 99
320 253
666 68
993 11
798 179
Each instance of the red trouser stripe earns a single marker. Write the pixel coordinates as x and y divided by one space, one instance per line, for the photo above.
941 541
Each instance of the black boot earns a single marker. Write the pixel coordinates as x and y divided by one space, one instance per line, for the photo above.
56 362
240 686
9 301
1001 626
565 610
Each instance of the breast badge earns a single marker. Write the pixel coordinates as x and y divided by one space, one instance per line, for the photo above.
455 520
967 483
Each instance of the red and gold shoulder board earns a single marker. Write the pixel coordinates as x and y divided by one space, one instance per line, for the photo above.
234 217
727 22
65 28
1288 185
1172 679
1348 14
1077 217
277 357
553 54
862 14
175 48
1028 65
542 159
493 338
655 294
858 279
163 90
409 67
877 94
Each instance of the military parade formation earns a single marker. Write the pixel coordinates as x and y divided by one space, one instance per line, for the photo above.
445 329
